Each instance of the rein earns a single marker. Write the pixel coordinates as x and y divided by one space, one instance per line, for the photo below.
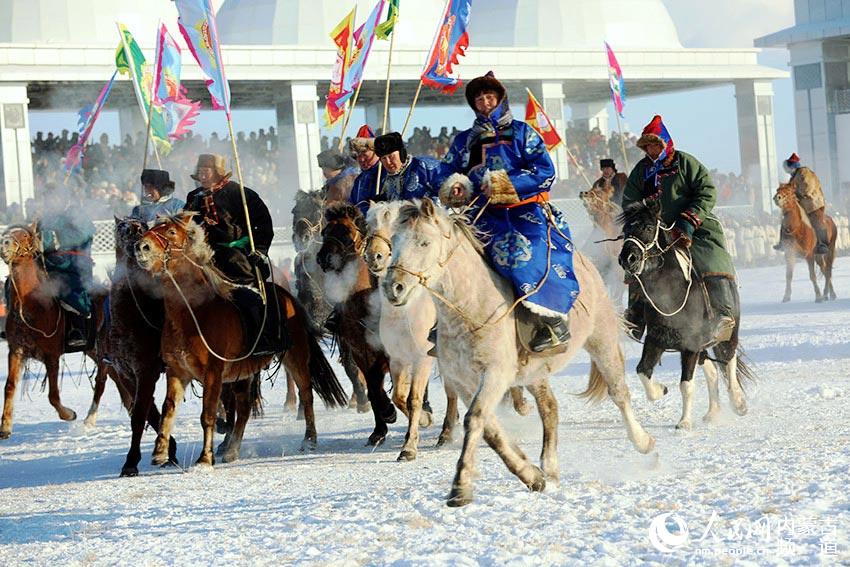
19 251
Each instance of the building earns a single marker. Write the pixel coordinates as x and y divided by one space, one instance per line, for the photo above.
58 53
819 45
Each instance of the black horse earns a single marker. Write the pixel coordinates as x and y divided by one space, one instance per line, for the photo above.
677 313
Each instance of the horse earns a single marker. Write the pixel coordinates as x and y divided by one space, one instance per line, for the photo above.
480 354
678 315
348 284
35 325
203 337
798 238
307 223
603 213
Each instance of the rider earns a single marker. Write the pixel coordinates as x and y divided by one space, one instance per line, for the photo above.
504 165
810 194
66 238
611 180
687 196
365 188
222 215
408 177
157 197
339 173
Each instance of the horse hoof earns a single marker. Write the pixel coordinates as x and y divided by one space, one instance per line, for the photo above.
300 416
290 407
459 497
522 408
90 421
222 427
684 425
741 409
538 480
364 408
444 440
308 445
426 419
70 415
229 457
206 461
159 460
711 417
391 417
128 471
646 445
406 455
786 299
376 439
819 300
5 434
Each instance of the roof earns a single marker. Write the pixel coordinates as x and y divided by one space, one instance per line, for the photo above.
814 31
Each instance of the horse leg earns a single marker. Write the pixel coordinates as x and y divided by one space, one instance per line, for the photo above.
521 406
173 396
291 403
212 394
382 407
242 399
452 416
649 359
736 393
52 365
99 387
547 407
415 400
16 362
402 378
790 260
814 277
298 366
227 406
359 394
139 412
686 387
710 372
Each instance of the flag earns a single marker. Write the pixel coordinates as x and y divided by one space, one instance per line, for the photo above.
536 117
129 60
197 24
179 112
450 43
88 116
337 95
615 79
384 30
362 41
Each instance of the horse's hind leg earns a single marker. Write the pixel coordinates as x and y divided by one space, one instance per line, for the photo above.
291 403
359 394
790 260
212 394
452 416
242 399
297 365
686 387
547 407
814 277
99 387
140 410
521 406
173 396
16 362
710 372
226 415
382 407
736 393
649 359
52 366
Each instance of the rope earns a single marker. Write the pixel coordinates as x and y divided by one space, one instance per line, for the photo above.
21 310
136 301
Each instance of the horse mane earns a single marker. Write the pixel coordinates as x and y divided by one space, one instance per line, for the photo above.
636 211
346 211
411 214
200 253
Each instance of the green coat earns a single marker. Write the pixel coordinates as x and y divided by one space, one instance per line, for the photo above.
690 191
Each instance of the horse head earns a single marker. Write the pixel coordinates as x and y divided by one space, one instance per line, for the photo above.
786 196
171 241
128 232
421 248
645 239
307 218
380 223
597 201
342 237
19 242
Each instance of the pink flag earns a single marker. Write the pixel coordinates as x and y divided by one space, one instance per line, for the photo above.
615 79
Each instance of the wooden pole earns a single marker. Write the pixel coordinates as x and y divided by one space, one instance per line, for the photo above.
412 106
386 102
348 116
578 165
622 141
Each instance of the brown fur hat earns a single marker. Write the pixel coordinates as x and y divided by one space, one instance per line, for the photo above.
484 84
217 162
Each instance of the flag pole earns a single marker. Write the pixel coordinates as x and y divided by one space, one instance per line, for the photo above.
348 116
412 106
578 165
622 140
386 101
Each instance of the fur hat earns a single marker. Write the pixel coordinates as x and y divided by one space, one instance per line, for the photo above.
607 162
365 140
332 159
386 144
217 162
656 133
159 179
484 84
792 162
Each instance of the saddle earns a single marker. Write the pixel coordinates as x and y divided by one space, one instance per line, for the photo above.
263 320
80 332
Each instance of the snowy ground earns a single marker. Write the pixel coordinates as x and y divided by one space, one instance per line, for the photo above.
770 488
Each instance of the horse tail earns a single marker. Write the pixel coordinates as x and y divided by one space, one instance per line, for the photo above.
597 389
323 378
255 395
743 370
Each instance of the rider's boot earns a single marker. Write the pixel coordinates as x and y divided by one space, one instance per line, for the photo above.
551 332
723 296
633 315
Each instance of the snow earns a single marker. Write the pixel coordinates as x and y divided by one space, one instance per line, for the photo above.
770 488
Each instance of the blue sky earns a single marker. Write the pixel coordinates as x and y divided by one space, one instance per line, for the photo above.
702 122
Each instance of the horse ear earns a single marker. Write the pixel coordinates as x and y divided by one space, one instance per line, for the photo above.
117 220
427 208
186 217
34 227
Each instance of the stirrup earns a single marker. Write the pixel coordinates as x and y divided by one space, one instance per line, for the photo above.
723 329
555 339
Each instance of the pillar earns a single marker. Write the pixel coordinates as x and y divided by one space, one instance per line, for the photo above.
590 115
553 104
16 163
757 139
298 131
375 116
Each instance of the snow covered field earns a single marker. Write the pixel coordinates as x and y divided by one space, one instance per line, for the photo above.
770 488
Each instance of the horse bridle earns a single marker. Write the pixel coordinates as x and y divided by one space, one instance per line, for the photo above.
20 251
421 275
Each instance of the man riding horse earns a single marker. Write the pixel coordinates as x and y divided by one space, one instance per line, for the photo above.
687 195
339 173
222 215
810 194
365 188
157 197
502 166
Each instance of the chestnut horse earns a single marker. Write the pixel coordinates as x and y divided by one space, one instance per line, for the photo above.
203 337
603 247
35 324
798 239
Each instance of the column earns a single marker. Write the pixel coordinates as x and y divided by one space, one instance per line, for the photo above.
591 115
757 139
375 117
16 163
306 143
553 103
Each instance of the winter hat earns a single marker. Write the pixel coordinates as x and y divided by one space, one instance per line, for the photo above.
607 162
332 159
656 133
365 140
159 179
214 161
389 143
484 84
792 162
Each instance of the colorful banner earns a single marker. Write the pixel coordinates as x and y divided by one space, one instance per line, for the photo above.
337 95
362 41
384 30
169 95
88 116
197 24
537 118
615 78
451 42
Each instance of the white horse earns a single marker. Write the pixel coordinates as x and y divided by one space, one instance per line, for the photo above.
479 353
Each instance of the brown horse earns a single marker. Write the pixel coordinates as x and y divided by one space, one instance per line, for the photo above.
603 213
798 239
35 324
203 337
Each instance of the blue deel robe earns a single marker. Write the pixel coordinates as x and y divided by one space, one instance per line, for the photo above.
365 188
148 212
66 238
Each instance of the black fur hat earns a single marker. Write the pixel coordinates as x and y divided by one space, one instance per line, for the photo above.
607 162
159 179
485 83
389 143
